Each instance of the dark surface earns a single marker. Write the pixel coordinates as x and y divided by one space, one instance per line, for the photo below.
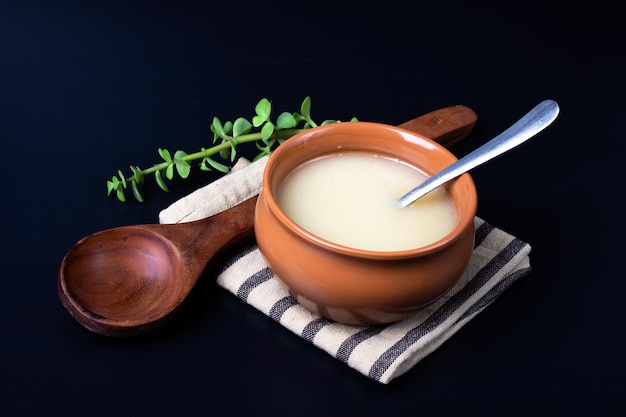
88 88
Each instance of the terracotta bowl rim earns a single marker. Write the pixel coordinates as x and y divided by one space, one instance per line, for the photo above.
421 251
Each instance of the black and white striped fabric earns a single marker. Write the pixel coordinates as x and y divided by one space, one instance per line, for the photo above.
381 352
384 352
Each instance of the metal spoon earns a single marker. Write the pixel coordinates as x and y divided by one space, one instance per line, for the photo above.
540 117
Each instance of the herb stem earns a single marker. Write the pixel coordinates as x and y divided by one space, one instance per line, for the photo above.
214 150
229 135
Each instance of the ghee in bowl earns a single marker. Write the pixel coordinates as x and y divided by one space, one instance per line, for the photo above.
350 199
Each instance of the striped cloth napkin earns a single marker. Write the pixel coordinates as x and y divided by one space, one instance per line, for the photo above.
381 352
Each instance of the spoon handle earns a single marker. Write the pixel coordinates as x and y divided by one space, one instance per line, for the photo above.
540 117
446 126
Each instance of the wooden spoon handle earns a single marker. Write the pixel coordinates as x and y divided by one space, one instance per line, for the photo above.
199 241
446 126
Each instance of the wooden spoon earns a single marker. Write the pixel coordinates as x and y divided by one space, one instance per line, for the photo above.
131 280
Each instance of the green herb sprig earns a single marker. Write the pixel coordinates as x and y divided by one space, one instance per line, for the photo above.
266 133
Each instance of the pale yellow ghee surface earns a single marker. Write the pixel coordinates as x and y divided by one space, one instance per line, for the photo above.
350 199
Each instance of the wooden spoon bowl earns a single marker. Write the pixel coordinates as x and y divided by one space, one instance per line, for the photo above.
141 284
131 280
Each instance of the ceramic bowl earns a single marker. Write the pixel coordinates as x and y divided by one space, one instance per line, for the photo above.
356 286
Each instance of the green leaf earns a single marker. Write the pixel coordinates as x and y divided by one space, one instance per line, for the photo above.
263 109
160 181
122 177
305 108
218 166
231 152
267 130
228 128
298 117
110 187
267 149
259 156
165 154
120 195
217 127
169 172
183 168
136 192
241 127
285 121
257 121
137 174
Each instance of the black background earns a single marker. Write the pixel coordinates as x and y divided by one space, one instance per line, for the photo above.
87 88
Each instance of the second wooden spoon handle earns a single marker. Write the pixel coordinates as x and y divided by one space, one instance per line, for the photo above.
446 126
